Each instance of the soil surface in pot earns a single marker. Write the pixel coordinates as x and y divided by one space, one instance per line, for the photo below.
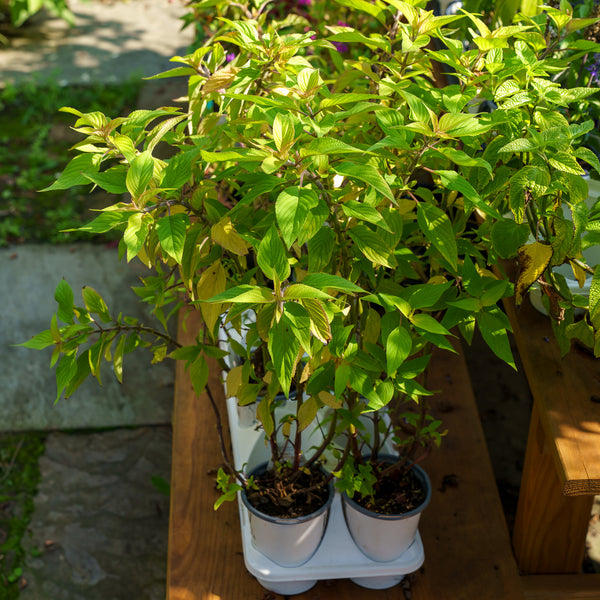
289 494
396 493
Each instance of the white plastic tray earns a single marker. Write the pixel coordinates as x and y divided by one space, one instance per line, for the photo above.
336 558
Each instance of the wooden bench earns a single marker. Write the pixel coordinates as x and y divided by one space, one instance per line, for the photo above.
467 546
562 465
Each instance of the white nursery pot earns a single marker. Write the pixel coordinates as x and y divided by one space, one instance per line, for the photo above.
384 538
288 542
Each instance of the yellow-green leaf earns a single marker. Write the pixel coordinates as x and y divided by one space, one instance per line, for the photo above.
533 260
212 282
224 234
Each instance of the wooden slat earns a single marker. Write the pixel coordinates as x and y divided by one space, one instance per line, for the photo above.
467 547
561 587
467 551
550 528
566 391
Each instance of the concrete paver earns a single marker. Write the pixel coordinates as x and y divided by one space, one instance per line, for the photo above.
100 524
110 43
29 275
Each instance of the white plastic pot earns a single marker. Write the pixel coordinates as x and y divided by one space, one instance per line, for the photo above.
287 542
337 557
384 538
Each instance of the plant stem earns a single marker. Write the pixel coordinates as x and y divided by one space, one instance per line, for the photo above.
222 445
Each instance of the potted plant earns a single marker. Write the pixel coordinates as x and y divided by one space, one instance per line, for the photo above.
329 179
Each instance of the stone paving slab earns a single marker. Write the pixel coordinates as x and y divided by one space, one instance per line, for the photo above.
100 523
110 42
29 275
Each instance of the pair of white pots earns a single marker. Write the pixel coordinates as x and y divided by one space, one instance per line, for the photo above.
292 542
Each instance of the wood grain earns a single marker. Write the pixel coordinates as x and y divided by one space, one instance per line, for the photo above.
468 554
561 587
550 528
566 391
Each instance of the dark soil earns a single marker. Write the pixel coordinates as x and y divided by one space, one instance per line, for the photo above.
289 494
396 493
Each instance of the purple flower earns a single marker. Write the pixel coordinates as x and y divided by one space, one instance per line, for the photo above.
340 46
594 68
304 2
230 56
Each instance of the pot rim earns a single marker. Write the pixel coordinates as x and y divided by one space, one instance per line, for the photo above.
421 476
280 520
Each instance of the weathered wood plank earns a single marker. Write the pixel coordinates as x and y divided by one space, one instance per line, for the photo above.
550 528
467 547
566 391
561 587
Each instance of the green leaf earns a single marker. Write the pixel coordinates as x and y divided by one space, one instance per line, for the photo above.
428 323
112 180
244 294
319 323
366 173
374 10
64 296
94 303
135 235
436 226
461 158
75 172
321 378
296 291
283 132
40 341
364 212
118 358
508 236
425 295
65 372
594 301
320 249
171 233
453 181
292 208
398 346
328 145
125 145
271 256
353 36
342 377
519 145
139 174
324 281
109 219
265 416
299 321
372 246
179 169
563 161
283 347
198 372
462 125
494 333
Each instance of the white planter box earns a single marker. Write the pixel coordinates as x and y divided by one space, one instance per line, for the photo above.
336 558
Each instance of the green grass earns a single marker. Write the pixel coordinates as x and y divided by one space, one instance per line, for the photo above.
34 148
19 477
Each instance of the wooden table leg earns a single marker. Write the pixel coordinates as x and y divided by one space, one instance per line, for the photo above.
550 528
